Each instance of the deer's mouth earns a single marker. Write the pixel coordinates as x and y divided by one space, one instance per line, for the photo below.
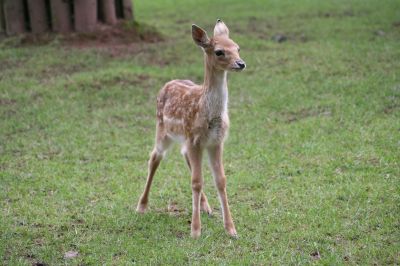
237 69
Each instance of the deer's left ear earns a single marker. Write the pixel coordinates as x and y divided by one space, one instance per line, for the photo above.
221 29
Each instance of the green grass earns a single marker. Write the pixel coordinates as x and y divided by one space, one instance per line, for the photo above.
312 159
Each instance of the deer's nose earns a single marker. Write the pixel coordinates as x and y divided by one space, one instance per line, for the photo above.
241 64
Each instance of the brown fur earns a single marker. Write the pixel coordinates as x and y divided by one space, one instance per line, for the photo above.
197 116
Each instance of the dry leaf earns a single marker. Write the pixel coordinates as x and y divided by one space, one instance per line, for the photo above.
70 254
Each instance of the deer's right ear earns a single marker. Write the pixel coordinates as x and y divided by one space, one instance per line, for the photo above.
200 36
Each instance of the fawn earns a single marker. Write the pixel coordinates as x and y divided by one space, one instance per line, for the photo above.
197 117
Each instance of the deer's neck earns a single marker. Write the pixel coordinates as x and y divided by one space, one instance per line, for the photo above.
215 91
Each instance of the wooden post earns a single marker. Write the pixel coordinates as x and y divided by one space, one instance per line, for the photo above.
61 16
108 11
38 16
14 16
127 9
85 12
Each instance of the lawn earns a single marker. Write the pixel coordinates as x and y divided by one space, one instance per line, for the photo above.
312 158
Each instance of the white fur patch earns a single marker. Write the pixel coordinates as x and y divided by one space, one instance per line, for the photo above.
217 98
176 137
171 120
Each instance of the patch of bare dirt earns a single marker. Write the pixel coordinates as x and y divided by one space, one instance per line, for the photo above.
336 13
173 209
34 261
305 113
340 14
55 70
391 108
116 41
8 64
142 79
182 21
269 30
180 234
123 36
4 101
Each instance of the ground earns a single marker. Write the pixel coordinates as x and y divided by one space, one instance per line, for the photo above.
312 159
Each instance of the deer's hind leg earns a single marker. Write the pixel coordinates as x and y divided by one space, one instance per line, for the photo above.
163 142
204 206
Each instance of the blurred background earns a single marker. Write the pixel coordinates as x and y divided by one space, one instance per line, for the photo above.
312 159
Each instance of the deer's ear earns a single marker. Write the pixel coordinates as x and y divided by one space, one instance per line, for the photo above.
221 29
200 36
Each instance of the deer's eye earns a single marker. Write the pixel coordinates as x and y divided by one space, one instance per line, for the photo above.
238 49
219 53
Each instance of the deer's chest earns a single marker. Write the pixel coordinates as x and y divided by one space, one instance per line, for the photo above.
217 115
217 129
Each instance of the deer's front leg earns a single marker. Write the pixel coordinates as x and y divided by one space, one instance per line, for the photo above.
195 156
217 168
204 206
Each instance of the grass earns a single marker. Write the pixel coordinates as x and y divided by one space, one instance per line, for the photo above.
312 159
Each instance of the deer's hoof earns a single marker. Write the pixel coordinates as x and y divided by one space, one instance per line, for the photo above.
195 234
141 208
234 236
232 233
207 210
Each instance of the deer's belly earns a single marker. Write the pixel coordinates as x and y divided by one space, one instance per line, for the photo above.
205 133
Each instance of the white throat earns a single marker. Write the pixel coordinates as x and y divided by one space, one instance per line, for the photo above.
216 96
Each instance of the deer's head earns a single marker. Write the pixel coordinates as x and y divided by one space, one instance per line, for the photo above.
222 53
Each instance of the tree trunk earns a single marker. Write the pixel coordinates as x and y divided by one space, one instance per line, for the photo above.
128 10
85 12
38 16
61 16
2 21
108 11
14 16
